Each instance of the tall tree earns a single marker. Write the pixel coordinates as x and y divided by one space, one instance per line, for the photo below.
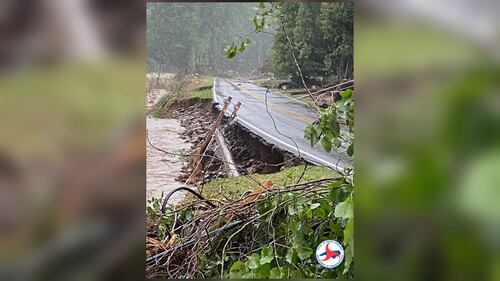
336 24
190 38
320 36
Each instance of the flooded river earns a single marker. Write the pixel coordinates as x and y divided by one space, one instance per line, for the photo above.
162 169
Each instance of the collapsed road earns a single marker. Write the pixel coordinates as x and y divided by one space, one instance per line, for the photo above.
278 119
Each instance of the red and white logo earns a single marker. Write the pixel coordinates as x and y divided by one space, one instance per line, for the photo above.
330 253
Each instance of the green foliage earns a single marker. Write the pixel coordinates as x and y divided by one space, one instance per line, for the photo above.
336 25
153 213
267 255
305 32
328 128
320 35
260 24
232 50
203 94
301 224
174 91
282 241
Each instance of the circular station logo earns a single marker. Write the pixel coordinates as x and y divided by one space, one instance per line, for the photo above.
330 253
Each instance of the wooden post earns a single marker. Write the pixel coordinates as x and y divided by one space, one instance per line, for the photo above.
215 125
229 165
197 164
235 110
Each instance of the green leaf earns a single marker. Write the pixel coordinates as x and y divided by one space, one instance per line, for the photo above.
320 212
230 51
308 212
267 255
238 266
262 5
263 272
295 274
312 133
349 233
289 257
309 133
314 206
235 275
344 209
326 205
337 142
292 210
253 261
349 242
305 228
249 275
241 49
346 94
275 273
350 149
304 252
327 144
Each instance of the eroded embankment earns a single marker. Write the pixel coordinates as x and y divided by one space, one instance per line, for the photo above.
185 126
251 153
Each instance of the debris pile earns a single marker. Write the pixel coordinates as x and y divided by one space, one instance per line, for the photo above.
197 116
195 236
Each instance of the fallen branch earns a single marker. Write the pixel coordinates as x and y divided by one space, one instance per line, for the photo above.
228 228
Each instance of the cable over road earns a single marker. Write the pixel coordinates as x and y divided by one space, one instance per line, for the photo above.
290 119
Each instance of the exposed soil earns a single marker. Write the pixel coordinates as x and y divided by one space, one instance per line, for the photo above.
254 155
250 152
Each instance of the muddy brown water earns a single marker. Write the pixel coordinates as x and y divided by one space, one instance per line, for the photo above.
162 169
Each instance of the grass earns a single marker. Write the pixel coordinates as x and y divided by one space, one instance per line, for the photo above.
205 94
175 91
234 187
185 88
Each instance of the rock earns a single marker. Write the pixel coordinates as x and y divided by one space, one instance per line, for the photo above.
182 177
254 169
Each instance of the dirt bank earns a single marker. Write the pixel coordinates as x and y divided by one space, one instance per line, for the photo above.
197 116
254 155
250 152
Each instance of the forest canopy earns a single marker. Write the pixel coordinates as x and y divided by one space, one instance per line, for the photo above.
190 38
322 38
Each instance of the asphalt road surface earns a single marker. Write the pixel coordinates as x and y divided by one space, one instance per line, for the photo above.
290 119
